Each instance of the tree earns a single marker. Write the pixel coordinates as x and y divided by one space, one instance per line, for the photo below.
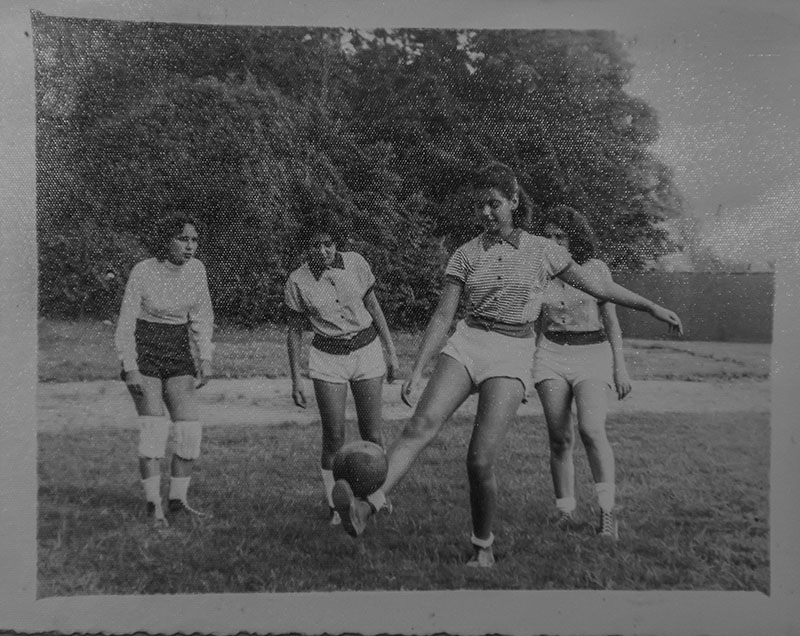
253 129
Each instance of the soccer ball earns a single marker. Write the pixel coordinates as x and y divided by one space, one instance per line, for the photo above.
361 464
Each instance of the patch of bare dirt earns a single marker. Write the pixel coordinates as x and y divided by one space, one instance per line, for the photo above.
74 405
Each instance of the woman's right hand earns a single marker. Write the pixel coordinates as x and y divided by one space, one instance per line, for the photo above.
670 317
298 395
133 380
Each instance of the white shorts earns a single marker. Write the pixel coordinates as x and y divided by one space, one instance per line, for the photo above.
487 354
362 364
573 363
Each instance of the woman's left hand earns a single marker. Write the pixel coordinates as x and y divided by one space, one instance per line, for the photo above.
622 382
392 368
203 373
670 317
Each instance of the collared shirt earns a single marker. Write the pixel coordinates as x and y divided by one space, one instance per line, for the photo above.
160 291
565 308
504 279
317 270
333 302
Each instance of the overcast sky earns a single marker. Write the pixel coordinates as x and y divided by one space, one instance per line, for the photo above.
725 84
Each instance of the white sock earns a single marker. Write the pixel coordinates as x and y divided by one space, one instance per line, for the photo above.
605 495
566 504
483 543
377 500
178 487
152 489
328 481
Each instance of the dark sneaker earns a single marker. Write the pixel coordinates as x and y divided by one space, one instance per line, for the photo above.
608 525
482 558
353 512
156 513
564 521
180 507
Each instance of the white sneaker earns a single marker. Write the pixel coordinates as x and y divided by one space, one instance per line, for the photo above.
156 513
482 558
335 519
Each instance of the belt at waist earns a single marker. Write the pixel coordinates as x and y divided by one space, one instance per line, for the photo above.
576 337
343 346
165 332
515 330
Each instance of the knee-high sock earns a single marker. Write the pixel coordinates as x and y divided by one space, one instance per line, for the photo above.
152 489
178 487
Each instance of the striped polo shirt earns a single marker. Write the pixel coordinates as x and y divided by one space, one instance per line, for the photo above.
505 278
333 298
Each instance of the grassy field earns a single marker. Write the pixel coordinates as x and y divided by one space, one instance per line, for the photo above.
692 494
79 351
693 516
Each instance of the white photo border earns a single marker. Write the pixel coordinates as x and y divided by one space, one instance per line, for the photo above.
457 612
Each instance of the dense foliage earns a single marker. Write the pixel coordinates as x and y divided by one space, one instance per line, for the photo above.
251 129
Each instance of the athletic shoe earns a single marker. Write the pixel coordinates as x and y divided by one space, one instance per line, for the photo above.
353 512
155 513
180 507
335 519
564 521
482 558
608 525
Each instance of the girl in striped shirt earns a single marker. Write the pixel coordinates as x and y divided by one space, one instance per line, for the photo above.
503 273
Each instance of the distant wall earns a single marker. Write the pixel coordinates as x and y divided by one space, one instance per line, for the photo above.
732 307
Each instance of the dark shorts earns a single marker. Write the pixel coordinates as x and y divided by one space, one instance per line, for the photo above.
163 351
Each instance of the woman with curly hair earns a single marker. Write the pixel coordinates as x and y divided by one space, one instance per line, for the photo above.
578 360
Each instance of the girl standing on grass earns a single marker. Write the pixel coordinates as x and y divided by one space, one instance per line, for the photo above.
503 273
166 317
578 359
334 292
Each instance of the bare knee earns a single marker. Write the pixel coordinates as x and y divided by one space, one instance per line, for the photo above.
593 438
422 427
480 467
561 442
332 439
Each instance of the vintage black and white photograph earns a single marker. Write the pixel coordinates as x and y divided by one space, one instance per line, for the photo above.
379 305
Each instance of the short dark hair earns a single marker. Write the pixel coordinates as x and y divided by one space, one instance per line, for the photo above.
167 229
314 225
499 176
582 239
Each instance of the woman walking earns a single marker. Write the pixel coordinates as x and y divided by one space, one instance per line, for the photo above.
502 273
578 359
333 292
166 320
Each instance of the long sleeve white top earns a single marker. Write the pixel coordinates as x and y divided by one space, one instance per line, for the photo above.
162 292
